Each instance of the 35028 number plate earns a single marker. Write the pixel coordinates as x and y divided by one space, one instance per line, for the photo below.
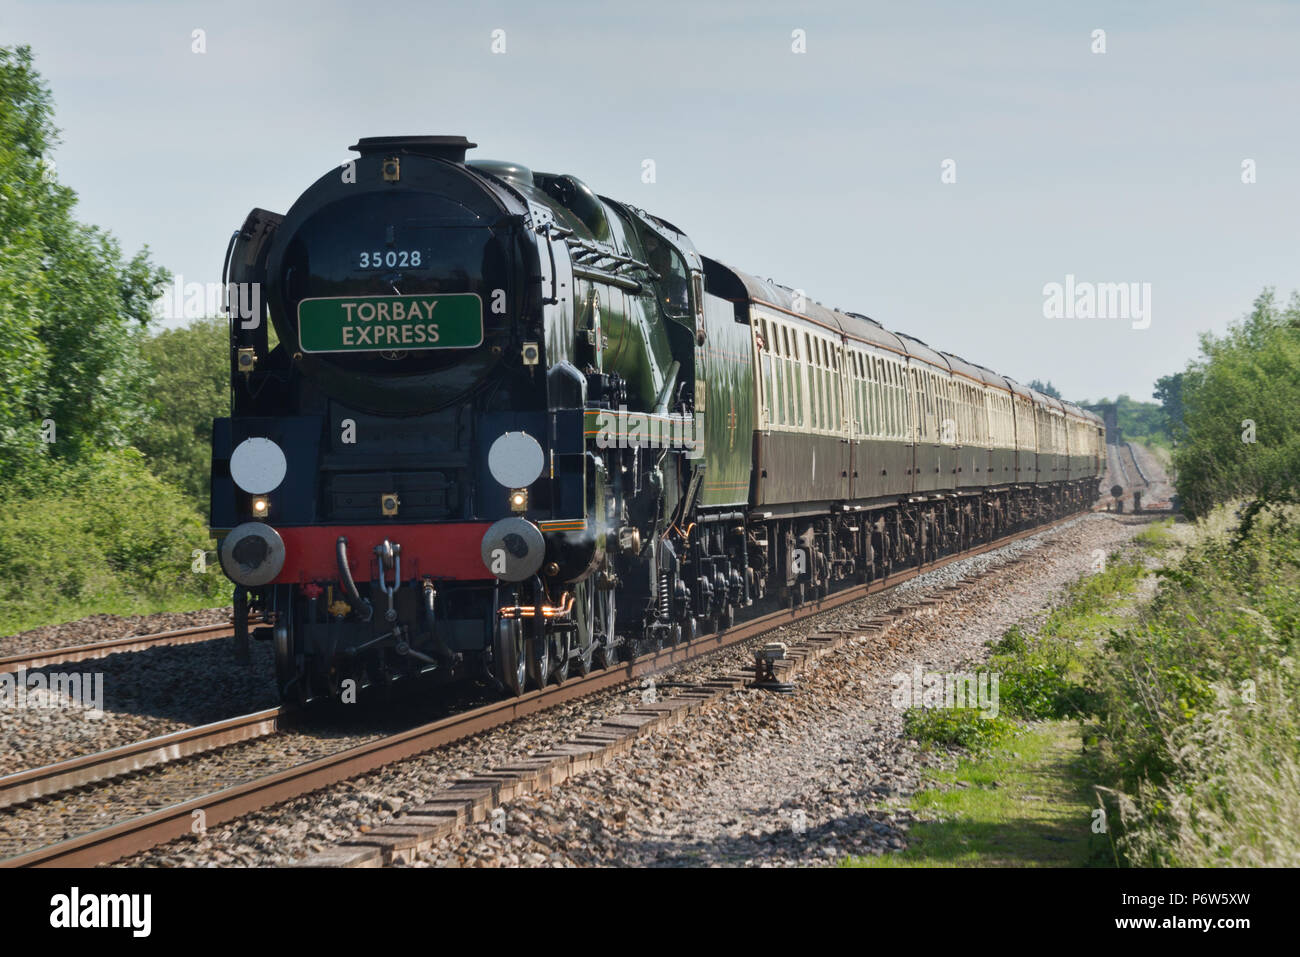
383 323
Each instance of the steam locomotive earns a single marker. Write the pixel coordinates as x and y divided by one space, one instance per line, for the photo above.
501 428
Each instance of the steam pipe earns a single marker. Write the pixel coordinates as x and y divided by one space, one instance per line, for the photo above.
349 586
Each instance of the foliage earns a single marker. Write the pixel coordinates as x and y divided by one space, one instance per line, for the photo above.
1138 421
72 312
1168 391
1196 723
1241 438
956 727
96 535
190 371
1045 387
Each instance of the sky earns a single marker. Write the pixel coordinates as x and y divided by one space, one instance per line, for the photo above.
935 165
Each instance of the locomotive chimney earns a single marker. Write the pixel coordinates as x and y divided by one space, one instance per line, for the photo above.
450 148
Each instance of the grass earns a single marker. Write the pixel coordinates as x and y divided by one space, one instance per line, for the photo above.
1024 803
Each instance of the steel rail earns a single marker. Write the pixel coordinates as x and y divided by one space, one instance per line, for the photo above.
77 772
102 649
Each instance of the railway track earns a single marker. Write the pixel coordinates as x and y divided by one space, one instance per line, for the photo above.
102 649
1137 472
217 805
88 769
1133 475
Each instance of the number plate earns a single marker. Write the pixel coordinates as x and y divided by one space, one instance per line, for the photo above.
385 323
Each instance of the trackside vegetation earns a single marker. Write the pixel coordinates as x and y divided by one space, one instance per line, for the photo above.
1159 702
1166 727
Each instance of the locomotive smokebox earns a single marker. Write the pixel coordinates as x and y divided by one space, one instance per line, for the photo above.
398 279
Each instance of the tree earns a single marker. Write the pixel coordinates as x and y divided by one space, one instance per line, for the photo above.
1045 387
72 312
1238 399
1169 393
190 370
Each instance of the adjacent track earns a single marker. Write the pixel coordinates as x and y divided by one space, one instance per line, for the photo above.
87 769
102 649
140 833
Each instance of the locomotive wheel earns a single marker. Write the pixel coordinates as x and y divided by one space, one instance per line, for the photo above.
584 614
537 659
241 625
292 679
603 622
582 661
561 655
511 655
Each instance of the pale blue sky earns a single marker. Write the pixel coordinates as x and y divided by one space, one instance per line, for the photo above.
820 170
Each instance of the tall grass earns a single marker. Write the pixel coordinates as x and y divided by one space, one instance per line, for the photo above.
1196 726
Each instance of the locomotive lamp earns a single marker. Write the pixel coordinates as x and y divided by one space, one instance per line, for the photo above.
261 506
519 500
247 359
530 353
258 466
388 503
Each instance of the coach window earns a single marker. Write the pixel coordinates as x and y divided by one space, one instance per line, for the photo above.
920 381
819 360
887 392
897 397
792 379
809 356
864 385
828 395
833 386
815 373
876 389
780 370
778 380
873 395
815 376
891 399
860 396
768 384
838 381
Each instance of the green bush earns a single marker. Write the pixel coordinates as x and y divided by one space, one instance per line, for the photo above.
1239 436
190 368
966 728
102 535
